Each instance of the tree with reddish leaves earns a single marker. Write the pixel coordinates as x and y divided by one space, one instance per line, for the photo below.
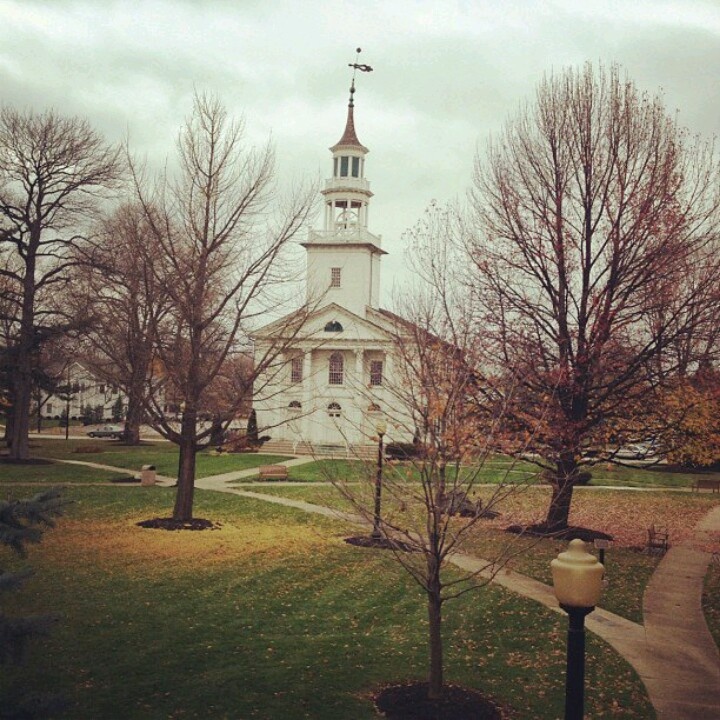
434 502
588 213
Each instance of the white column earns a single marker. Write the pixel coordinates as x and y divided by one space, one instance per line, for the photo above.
359 378
308 387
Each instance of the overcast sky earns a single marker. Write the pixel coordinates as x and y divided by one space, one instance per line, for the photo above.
446 75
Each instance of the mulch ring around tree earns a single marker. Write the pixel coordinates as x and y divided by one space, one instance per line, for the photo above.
383 543
172 524
570 533
410 702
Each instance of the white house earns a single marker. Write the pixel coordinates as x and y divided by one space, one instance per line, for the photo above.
335 384
86 391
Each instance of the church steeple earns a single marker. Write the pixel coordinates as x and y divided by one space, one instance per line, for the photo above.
349 137
344 258
347 193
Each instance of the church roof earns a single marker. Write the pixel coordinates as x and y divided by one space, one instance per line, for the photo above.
349 137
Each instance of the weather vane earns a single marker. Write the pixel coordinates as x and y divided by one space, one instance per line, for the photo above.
357 66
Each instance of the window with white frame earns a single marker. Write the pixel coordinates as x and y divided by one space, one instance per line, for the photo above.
295 405
334 410
296 369
376 372
336 369
335 277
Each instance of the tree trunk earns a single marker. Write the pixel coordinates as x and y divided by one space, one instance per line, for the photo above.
133 419
186 469
22 391
558 513
22 375
435 677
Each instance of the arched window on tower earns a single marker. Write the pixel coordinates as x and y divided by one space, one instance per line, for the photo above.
336 369
334 410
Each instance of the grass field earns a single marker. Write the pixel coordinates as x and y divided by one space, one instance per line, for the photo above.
271 616
163 455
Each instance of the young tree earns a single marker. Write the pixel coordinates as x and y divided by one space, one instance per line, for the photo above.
588 212
222 234
53 173
437 395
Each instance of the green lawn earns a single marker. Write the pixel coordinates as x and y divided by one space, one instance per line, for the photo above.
498 469
624 514
163 455
615 475
52 473
270 616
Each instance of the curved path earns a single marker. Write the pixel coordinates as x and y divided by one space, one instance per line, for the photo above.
672 652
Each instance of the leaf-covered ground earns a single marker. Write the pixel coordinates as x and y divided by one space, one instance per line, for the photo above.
271 616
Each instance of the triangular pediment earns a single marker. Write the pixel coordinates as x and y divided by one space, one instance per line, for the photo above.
322 325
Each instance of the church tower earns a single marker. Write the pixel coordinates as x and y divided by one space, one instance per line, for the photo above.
343 259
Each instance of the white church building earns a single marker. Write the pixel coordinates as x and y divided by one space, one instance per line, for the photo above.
336 384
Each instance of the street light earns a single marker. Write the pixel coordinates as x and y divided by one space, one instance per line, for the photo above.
380 428
577 580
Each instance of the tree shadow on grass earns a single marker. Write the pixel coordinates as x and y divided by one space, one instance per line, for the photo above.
30 461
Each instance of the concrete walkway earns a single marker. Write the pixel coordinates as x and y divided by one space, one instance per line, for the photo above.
684 663
673 652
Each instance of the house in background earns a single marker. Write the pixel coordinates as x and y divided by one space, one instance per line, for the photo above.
87 391
335 385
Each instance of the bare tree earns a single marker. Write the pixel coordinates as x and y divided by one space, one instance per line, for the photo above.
54 171
222 233
589 211
120 287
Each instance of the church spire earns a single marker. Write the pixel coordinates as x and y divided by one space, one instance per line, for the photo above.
349 137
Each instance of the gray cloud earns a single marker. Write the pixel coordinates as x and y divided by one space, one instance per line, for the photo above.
447 74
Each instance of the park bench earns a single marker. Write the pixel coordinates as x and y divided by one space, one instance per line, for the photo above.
657 540
273 472
706 484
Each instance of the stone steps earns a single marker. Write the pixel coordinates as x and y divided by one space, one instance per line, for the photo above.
285 447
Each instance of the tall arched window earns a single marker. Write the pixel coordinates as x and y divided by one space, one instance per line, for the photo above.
336 369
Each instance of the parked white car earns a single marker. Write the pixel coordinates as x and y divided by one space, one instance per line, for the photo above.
108 431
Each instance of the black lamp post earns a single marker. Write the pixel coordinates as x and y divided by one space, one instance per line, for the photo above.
577 580
380 428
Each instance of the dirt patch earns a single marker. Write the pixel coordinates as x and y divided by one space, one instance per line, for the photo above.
92 449
172 524
410 702
367 541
